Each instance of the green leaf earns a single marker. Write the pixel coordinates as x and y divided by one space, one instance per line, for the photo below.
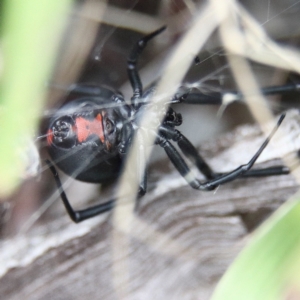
30 31
269 267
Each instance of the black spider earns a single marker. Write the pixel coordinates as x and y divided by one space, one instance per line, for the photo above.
89 137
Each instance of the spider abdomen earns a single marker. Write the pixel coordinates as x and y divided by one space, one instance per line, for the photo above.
85 135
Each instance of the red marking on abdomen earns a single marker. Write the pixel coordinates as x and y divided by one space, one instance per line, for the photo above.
49 137
85 128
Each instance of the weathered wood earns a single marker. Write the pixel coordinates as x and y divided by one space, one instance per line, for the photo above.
180 243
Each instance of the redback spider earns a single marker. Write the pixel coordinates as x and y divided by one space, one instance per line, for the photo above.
89 137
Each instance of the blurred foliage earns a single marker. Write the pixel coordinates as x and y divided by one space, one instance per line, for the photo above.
30 34
269 267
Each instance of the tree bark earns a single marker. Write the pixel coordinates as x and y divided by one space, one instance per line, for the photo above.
180 240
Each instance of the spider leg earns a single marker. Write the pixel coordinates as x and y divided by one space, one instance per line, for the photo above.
132 60
90 212
271 171
185 171
191 152
216 98
188 150
78 215
81 215
141 165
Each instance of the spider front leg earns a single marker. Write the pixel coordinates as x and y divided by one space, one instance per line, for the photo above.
217 98
132 61
241 171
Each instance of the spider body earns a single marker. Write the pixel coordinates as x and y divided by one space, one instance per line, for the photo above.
89 137
96 133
